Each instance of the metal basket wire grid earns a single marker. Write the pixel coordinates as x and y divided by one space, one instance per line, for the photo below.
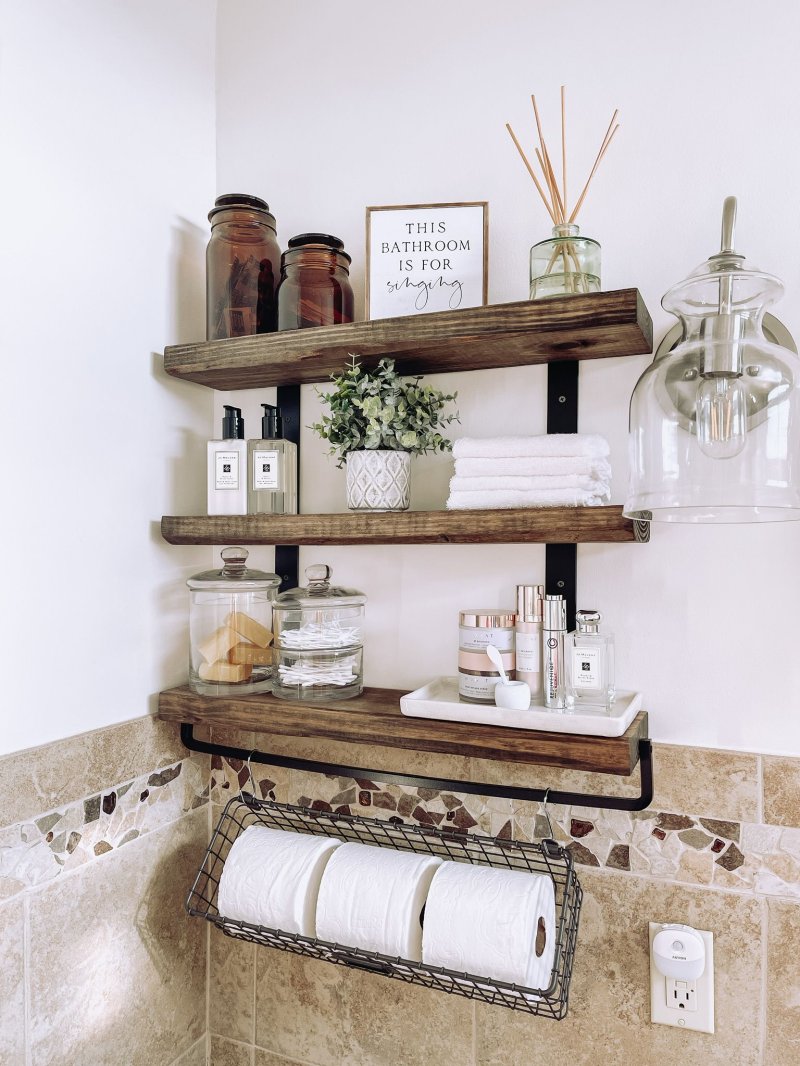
547 857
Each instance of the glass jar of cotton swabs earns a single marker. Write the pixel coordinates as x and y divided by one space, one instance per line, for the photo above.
318 648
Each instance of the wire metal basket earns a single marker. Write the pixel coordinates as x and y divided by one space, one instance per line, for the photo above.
547 857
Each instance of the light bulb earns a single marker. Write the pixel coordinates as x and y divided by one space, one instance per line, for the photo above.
721 408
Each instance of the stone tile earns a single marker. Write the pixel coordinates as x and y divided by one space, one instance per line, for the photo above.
12 985
266 1058
609 1014
783 985
334 1016
116 964
226 1053
700 781
40 779
197 1055
781 790
231 993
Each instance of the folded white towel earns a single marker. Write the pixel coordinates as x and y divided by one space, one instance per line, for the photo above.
596 486
535 467
505 498
561 444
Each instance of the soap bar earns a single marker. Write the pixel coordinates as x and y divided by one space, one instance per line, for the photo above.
249 628
218 645
250 653
228 672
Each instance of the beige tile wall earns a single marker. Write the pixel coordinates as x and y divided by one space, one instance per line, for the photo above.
268 1008
100 965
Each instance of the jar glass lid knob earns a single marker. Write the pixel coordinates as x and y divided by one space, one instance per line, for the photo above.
235 561
318 576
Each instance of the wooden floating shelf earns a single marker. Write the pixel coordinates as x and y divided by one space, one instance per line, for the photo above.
375 718
594 326
554 525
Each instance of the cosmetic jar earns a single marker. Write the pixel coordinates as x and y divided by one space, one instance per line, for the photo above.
319 642
477 675
478 628
230 628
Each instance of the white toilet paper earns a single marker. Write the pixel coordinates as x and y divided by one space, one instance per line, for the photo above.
372 898
491 923
272 878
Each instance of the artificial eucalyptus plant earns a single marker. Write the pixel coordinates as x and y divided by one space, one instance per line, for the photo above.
371 409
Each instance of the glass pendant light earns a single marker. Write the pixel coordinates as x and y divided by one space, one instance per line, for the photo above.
715 422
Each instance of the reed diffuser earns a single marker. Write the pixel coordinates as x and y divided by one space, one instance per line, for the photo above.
566 263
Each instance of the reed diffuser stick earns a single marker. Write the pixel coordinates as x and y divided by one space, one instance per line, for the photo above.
564 147
601 153
530 171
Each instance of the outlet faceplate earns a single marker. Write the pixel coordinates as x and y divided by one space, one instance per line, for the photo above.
684 1004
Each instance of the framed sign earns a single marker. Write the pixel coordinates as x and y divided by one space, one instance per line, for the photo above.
426 257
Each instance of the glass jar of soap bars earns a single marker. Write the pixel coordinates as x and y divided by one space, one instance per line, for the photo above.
230 627
318 650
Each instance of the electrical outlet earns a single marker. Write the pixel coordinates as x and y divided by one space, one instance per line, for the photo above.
681 995
685 1004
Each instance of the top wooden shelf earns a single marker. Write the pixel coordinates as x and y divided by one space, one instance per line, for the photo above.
595 326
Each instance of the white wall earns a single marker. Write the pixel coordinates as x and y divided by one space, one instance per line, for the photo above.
325 108
107 113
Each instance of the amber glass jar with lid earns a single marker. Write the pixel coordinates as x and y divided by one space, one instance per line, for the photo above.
243 260
314 289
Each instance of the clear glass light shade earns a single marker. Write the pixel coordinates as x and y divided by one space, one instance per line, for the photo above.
715 422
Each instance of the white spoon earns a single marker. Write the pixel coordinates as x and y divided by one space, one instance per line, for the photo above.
497 659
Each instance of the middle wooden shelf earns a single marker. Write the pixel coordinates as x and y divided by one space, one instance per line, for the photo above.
555 525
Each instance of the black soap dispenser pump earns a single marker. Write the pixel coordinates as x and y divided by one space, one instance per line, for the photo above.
272 468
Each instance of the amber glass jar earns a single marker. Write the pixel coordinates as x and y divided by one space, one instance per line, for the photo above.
243 261
314 289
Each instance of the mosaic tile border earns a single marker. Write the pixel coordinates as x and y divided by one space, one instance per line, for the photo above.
37 851
671 846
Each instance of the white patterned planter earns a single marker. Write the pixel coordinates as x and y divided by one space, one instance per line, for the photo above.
378 480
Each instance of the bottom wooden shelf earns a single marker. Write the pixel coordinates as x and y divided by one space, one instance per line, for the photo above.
375 718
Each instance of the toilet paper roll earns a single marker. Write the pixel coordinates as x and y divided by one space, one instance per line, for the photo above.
272 877
372 898
491 923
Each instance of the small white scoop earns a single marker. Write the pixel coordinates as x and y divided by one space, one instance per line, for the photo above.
515 695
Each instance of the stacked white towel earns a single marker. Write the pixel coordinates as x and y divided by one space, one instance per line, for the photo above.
554 470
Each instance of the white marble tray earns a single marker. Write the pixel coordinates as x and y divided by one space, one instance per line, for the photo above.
439 699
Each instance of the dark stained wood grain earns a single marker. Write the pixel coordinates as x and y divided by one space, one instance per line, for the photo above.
571 327
548 525
375 718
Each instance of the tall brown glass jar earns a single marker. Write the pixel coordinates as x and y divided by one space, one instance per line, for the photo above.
314 289
243 261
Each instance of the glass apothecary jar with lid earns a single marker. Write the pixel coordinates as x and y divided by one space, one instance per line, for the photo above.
318 649
243 264
314 289
230 627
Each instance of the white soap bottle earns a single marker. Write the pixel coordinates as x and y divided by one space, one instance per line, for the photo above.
227 466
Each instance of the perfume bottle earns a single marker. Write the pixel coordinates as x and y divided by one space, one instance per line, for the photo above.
528 637
227 466
590 664
272 468
554 630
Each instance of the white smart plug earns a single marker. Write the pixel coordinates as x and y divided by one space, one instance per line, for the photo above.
679 952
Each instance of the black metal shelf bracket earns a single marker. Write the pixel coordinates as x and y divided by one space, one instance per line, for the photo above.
473 788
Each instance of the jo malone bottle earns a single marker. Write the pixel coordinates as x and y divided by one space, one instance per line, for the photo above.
227 467
272 468
590 664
